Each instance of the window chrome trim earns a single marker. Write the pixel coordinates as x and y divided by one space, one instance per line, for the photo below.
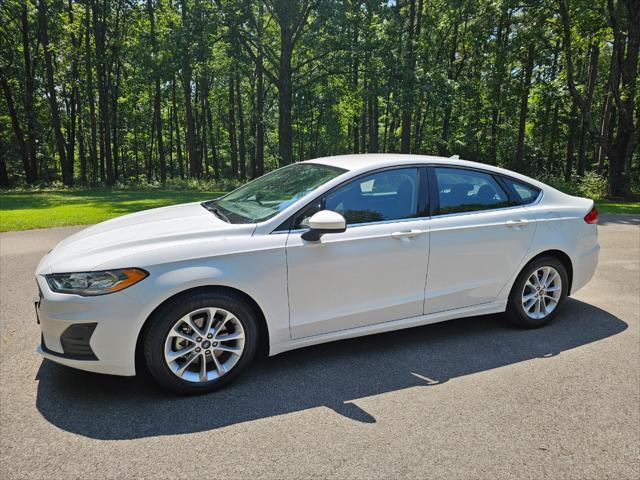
432 216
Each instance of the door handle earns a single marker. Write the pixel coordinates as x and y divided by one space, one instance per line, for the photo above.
406 234
520 222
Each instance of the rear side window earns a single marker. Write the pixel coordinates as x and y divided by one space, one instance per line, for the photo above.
462 190
526 193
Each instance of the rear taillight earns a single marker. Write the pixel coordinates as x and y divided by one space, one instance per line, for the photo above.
592 216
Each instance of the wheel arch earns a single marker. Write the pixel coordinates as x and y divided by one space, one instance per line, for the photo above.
559 255
263 340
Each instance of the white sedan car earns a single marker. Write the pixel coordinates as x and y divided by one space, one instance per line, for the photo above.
317 251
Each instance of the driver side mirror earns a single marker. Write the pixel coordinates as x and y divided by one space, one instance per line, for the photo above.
325 221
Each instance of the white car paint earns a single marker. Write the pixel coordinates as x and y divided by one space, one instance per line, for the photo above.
368 279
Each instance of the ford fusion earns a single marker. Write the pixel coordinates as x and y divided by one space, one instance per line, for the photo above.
316 251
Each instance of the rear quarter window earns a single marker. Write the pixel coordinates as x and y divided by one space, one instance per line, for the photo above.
525 193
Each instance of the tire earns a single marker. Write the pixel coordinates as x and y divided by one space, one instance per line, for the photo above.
525 287
180 326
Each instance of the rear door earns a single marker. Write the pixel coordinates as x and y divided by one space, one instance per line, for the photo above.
479 237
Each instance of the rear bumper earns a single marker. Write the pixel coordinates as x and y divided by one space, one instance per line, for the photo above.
584 267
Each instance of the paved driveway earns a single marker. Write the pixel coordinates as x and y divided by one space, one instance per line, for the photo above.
471 398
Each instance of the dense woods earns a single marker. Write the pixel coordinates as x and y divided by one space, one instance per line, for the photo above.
102 92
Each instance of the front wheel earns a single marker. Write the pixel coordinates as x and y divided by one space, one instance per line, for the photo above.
538 293
200 341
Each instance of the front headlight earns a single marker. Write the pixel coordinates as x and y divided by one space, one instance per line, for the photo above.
95 283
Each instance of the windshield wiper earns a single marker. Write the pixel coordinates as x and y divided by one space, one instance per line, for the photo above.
215 211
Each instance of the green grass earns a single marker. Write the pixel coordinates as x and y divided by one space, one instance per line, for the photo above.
612 206
22 210
43 209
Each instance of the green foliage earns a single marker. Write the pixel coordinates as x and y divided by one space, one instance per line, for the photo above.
592 185
360 73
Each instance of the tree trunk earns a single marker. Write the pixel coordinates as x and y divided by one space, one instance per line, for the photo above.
4 177
214 150
502 38
99 27
448 108
259 155
233 146
115 94
81 151
204 145
373 116
408 81
285 98
554 138
585 114
74 102
15 123
606 133
606 125
32 172
355 67
157 95
177 129
241 140
93 146
568 164
624 92
186 85
363 116
524 106
172 170
53 99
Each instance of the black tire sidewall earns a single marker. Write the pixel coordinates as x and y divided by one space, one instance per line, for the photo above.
165 318
515 310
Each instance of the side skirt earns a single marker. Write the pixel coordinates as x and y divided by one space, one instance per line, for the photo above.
484 309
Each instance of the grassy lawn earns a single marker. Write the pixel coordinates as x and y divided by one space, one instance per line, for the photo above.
25 210
612 206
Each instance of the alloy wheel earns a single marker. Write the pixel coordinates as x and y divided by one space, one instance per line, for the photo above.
541 292
204 344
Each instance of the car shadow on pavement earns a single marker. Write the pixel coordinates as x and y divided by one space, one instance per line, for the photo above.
330 375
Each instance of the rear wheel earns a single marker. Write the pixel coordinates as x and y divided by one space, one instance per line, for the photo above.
200 342
538 293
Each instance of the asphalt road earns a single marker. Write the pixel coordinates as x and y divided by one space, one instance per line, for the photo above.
471 398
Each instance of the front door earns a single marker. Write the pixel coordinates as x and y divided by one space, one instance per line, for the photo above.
373 272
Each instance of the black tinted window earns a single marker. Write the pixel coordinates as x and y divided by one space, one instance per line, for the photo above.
387 195
526 193
468 190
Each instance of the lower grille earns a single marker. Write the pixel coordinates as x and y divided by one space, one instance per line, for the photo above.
75 342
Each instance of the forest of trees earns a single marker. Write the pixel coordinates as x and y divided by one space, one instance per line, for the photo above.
99 92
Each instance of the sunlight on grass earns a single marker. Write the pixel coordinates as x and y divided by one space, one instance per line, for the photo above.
26 210
608 206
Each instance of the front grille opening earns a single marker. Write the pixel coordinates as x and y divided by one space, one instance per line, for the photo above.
75 341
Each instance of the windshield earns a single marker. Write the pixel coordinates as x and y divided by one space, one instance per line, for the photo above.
270 194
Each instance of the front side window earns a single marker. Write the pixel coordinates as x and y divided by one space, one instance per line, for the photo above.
462 190
382 196
270 194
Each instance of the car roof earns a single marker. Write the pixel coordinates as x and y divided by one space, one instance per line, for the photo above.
371 161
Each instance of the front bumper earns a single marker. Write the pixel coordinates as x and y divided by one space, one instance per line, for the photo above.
97 334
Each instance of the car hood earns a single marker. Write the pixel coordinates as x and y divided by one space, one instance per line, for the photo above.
125 240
